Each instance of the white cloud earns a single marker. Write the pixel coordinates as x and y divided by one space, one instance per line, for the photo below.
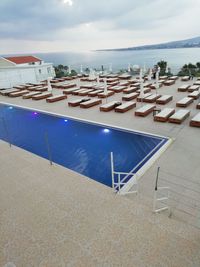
77 24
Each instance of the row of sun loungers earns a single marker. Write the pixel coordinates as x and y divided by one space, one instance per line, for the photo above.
164 115
167 114
164 99
179 116
184 102
56 98
90 103
145 110
189 88
195 121
41 96
185 78
195 95
109 106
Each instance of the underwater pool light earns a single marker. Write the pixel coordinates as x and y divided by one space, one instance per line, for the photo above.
106 130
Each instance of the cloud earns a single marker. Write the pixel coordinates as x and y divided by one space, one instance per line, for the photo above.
91 24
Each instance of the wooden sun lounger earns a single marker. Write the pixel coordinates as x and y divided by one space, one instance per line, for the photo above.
109 106
17 94
124 83
124 77
99 87
90 103
76 92
197 83
56 98
198 106
95 93
179 116
85 92
125 107
130 90
41 96
141 98
76 102
165 77
164 115
38 88
137 85
130 96
70 90
195 121
164 99
151 98
193 88
86 86
110 84
185 78
153 86
111 80
6 92
174 78
169 82
30 95
104 95
67 86
145 90
117 88
183 88
145 110
194 94
184 102
20 87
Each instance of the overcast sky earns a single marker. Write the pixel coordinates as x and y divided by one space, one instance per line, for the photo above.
66 25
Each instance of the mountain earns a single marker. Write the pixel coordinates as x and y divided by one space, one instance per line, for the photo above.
193 42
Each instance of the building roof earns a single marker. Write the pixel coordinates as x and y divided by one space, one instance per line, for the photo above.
23 59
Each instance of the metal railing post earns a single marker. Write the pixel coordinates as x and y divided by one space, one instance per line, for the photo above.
119 184
48 148
156 185
112 169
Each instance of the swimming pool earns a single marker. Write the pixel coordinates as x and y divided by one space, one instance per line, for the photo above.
80 146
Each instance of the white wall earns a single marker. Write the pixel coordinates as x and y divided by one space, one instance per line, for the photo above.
12 76
5 63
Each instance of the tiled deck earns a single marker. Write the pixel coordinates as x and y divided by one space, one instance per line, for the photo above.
51 216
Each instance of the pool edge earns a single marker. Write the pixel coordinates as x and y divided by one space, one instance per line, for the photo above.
145 167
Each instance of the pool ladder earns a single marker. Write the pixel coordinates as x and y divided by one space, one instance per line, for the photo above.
120 181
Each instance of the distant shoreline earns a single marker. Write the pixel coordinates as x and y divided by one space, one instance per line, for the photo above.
140 49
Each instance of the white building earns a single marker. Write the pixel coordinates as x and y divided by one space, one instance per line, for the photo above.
23 69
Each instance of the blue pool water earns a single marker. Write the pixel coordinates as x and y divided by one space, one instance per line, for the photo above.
79 146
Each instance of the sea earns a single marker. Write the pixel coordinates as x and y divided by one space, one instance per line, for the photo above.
119 60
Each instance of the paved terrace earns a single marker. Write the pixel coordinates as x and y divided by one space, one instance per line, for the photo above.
51 216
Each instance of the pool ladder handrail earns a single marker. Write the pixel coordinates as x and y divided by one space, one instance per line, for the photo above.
119 182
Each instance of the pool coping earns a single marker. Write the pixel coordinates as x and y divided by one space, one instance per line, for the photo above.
132 181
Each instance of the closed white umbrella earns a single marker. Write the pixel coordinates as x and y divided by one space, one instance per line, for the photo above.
78 83
110 67
98 80
167 69
157 83
129 67
69 69
141 85
92 74
49 84
81 69
105 86
144 68
150 74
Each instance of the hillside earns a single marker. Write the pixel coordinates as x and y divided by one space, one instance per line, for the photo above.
188 43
